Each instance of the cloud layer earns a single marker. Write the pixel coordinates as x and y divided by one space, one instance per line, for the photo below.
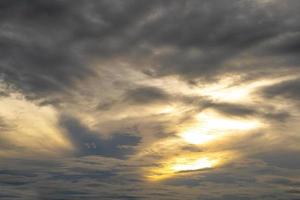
112 99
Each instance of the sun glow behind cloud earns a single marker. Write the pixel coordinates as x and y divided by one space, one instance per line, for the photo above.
201 163
211 125
179 166
187 163
227 90
208 126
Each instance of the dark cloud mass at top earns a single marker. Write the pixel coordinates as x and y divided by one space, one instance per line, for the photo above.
139 99
46 46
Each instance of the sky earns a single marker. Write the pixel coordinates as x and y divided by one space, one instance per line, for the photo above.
150 100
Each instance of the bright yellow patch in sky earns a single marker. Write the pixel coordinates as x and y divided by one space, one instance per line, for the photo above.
228 91
201 163
181 165
185 163
211 126
194 136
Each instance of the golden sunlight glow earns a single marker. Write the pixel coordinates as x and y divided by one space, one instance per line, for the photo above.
225 91
201 163
212 120
33 128
211 125
179 166
167 110
187 163
194 136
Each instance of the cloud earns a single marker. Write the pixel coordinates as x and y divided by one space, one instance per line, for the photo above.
244 110
281 158
4 127
146 95
285 181
88 142
35 59
139 73
207 44
232 109
94 177
49 46
287 89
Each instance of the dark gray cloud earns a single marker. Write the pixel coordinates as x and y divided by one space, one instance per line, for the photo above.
204 40
281 158
285 181
47 46
98 177
286 44
287 89
33 56
88 142
243 110
225 178
231 109
146 95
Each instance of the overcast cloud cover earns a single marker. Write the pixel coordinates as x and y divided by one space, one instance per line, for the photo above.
140 99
